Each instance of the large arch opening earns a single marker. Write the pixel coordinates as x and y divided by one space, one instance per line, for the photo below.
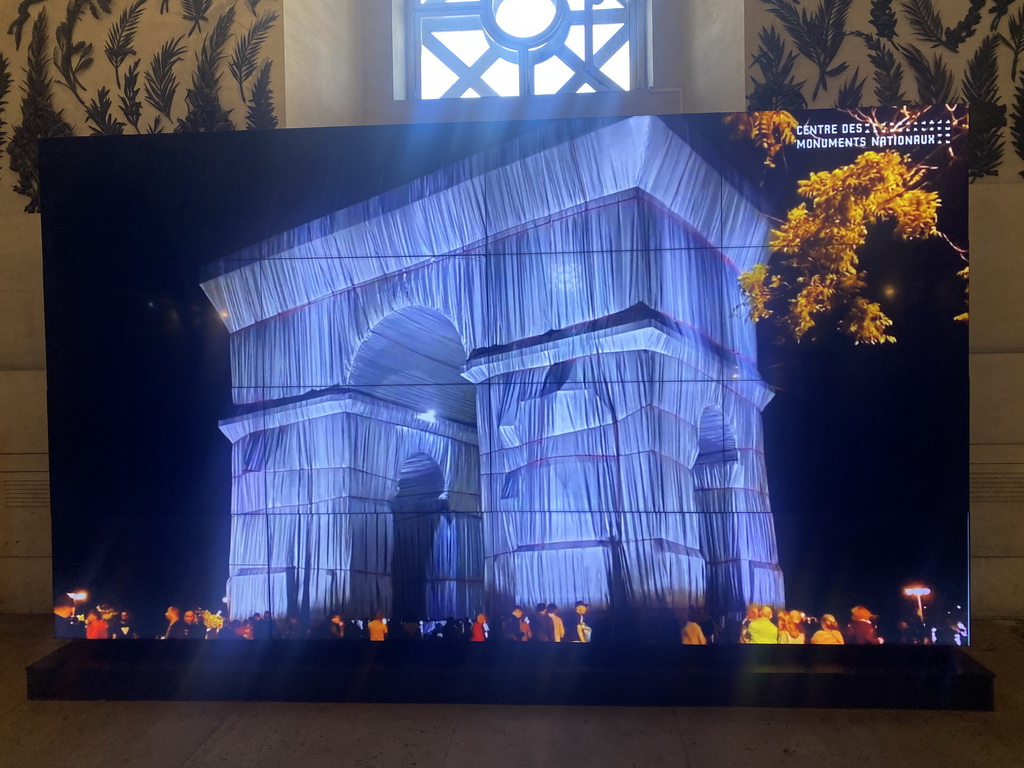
409 368
414 358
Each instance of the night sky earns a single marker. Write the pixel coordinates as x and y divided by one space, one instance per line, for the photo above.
866 447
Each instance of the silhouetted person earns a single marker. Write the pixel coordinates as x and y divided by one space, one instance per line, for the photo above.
124 628
194 628
861 630
708 627
292 630
65 623
664 627
542 626
175 626
449 631
510 626
411 629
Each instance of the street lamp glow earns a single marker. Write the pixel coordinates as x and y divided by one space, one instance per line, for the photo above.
916 591
79 597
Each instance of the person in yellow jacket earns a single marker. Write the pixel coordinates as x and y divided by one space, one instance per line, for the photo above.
692 633
762 630
583 630
378 628
556 620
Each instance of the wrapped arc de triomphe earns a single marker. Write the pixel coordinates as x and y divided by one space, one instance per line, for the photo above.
527 376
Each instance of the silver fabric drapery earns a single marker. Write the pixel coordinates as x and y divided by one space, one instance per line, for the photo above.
528 376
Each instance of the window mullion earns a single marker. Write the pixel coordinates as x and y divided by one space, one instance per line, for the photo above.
504 47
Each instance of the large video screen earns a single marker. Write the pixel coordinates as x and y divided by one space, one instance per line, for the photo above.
684 379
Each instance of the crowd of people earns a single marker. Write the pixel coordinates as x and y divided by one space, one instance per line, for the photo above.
795 628
762 625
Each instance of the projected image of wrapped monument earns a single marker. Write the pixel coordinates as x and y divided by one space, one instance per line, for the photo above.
529 376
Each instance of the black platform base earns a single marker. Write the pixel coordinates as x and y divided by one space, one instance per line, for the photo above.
936 677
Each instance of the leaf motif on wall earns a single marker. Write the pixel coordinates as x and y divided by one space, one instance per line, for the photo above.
1017 119
5 88
966 27
934 78
161 83
260 112
818 35
97 112
247 49
121 37
777 89
131 107
18 25
981 79
888 75
39 119
205 112
195 11
883 19
927 23
999 9
1014 40
73 57
851 92
981 90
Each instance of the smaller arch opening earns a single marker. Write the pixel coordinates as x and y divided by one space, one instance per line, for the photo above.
716 442
417 509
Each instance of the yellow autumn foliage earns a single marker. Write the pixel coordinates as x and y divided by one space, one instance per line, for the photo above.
770 131
965 273
820 272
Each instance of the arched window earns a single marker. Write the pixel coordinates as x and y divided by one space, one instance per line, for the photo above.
471 48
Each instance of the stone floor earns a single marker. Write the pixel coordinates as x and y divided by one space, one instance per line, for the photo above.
264 735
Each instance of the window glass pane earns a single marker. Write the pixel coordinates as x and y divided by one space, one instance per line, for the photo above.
437 78
473 48
617 67
503 77
469 44
549 76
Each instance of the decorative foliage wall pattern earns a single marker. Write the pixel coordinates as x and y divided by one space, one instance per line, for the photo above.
112 67
840 53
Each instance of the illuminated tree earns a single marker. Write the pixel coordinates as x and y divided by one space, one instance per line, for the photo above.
814 272
770 131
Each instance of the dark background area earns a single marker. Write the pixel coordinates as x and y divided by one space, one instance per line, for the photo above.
866 447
